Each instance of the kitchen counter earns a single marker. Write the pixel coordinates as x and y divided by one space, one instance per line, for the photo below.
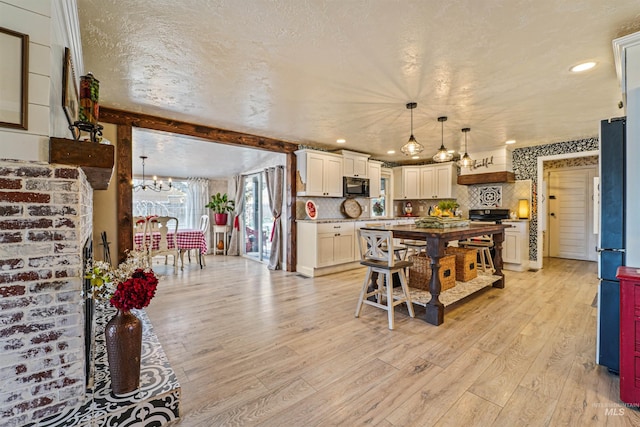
377 218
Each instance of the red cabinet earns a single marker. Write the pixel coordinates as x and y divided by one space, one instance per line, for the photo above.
629 334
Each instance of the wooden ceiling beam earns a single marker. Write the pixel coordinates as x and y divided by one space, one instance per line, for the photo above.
222 136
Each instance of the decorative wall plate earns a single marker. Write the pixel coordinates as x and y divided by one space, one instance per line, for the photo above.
311 209
351 208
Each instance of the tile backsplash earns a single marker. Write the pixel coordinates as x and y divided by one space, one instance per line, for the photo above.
330 207
504 195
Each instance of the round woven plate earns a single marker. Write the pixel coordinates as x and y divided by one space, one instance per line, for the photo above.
351 208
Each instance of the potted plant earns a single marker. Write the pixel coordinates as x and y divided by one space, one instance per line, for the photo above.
221 206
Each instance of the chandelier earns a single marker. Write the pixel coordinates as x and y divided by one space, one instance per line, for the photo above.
465 161
156 186
443 155
412 146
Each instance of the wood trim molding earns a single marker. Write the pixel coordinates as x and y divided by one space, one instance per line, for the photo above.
290 188
124 168
222 136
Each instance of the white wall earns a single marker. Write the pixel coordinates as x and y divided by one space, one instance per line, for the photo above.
51 25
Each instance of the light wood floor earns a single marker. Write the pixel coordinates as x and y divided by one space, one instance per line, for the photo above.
257 347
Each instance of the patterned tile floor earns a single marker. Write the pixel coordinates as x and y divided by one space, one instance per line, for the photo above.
155 403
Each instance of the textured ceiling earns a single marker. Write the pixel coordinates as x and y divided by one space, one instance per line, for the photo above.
312 71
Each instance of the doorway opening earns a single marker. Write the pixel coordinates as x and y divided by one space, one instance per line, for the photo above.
257 216
570 207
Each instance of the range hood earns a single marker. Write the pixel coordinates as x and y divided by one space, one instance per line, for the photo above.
489 167
486 178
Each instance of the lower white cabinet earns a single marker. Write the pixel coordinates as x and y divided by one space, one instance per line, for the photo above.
324 247
515 248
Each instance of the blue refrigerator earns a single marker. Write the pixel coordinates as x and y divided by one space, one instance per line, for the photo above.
611 251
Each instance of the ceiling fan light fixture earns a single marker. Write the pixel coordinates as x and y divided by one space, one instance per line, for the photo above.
443 155
412 147
465 161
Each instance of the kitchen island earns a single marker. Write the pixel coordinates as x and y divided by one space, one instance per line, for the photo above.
437 239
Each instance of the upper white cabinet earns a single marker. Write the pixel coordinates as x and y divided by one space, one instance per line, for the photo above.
406 182
438 181
318 174
355 164
375 174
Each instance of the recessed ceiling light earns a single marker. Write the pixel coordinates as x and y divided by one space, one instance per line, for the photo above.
511 141
415 157
582 67
391 152
341 141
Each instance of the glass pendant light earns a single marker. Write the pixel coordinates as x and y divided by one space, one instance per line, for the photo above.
465 161
443 155
412 147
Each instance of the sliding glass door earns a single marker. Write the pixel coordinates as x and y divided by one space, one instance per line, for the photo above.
258 220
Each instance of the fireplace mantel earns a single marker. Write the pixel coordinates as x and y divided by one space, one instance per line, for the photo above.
96 160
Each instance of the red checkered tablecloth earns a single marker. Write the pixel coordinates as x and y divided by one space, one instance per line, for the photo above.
187 239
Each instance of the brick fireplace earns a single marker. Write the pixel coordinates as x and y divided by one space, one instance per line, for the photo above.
46 219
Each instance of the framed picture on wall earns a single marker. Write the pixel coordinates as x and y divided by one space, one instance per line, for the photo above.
70 93
14 79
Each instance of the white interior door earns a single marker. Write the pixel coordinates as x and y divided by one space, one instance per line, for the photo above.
570 216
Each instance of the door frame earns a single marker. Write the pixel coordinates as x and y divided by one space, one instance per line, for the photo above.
590 213
541 203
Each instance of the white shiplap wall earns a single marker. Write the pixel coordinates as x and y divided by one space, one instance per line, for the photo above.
51 25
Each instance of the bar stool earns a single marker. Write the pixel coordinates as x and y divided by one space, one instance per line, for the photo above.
484 245
380 261
414 247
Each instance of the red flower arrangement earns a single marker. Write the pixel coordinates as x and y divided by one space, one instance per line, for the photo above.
135 292
131 285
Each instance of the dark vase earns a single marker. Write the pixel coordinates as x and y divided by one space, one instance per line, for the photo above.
123 336
220 218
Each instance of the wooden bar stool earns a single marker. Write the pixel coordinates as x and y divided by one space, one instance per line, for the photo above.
380 261
485 260
414 247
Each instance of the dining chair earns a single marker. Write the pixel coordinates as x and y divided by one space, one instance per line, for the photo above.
142 237
380 261
167 228
204 227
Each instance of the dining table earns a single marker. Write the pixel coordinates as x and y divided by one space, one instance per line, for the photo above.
186 239
437 240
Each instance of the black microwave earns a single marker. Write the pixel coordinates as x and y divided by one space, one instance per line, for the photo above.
355 187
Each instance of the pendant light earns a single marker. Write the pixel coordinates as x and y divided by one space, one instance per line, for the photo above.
412 147
465 161
442 155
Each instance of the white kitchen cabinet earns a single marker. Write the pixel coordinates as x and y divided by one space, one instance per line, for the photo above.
375 174
324 248
515 248
438 181
318 174
406 182
355 164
